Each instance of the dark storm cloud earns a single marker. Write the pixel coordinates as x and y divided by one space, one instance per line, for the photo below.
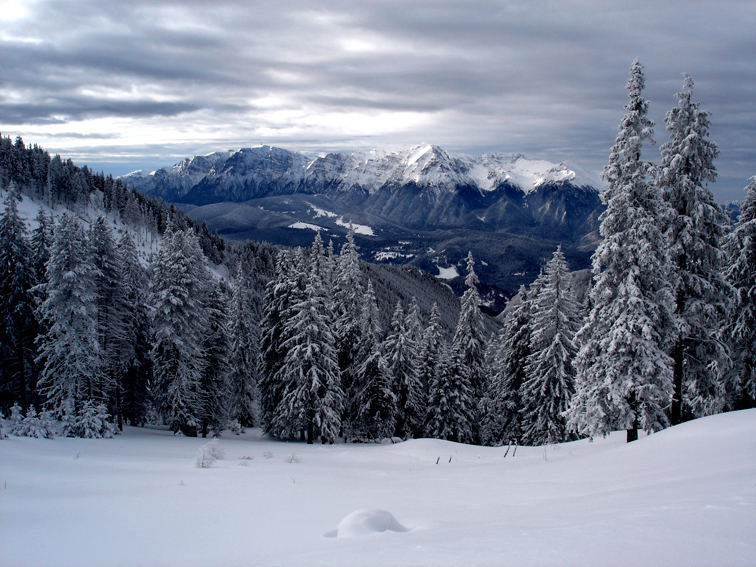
543 78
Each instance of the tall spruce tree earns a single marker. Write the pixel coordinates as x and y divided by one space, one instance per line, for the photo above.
131 350
214 384
348 298
549 374
429 352
312 401
701 293
501 422
18 325
69 349
740 329
372 401
624 375
245 357
283 292
451 408
112 311
401 353
469 339
178 322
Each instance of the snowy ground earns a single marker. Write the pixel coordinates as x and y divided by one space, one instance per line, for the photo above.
685 496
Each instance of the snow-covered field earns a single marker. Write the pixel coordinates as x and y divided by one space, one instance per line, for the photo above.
685 496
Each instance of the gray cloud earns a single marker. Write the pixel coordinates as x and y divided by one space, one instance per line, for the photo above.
545 78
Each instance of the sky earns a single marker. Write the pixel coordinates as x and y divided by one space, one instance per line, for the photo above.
142 84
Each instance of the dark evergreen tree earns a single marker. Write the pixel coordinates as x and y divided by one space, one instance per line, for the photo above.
702 296
501 422
245 357
131 357
372 399
401 354
214 384
624 375
18 325
451 407
740 328
549 375
312 401
69 350
178 322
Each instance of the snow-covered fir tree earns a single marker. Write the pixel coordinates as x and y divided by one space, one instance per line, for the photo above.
702 296
372 401
18 325
412 322
549 375
178 321
740 329
69 349
41 243
429 351
469 339
451 409
624 375
348 296
131 349
214 384
401 352
500 422
112 309
245 357
312 400
284 291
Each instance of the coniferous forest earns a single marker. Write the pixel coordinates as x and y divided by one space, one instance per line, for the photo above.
118 309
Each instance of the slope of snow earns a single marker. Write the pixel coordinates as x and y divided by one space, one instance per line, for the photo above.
363 229
685 496
306 226
447 273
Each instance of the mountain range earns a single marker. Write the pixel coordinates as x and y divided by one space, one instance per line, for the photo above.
422 206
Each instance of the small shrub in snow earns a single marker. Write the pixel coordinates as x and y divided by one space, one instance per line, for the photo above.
90 422
15 421
39 426
3 434
208 454
235 427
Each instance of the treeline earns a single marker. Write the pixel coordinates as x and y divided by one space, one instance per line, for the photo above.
301 347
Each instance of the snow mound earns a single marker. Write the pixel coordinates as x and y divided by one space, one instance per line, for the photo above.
365 522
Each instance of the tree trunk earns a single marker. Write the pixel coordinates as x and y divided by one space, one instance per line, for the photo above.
675 416
632 434
310 433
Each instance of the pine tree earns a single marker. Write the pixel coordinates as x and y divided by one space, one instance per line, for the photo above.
112 310
178 320
549 375
451 405
312 401
371 399
501 423
69 349
18 324
624 375
245 357
131 349
401 353
740 329
429 352
348 296
469 340
283 292
214 385
41 243
694 233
